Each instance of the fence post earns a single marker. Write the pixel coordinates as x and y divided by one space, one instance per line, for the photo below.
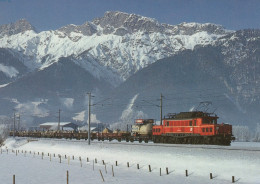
13 179
50 157
93 165
101 175
113 171
116 163
87 159
186 173
138 166
210 176
103 162
233 179
127 164
150 170
160 171
106 168
167 172
95 160
67 177
60 158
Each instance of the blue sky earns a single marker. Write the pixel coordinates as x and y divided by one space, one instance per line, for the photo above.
53 14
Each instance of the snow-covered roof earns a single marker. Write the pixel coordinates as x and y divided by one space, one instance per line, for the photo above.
55 124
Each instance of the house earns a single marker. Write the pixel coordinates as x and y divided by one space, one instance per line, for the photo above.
54 126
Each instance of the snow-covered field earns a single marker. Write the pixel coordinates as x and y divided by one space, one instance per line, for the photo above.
241 160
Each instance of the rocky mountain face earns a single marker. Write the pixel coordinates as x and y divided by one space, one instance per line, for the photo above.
20 26
117 55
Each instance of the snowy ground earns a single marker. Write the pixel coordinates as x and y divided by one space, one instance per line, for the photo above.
241 160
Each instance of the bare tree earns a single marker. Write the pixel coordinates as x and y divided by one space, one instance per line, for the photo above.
5 123
257 133
242 133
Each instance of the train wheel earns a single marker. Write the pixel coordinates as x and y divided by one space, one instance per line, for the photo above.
189 140
127 139
162 140
146 140
179 141
155 140
131 140
140 140
119 139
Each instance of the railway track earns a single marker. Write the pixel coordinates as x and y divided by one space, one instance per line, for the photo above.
151 144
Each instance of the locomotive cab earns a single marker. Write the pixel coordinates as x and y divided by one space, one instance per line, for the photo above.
192 128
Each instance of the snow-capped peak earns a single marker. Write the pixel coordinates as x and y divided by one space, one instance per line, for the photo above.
19 26
112 47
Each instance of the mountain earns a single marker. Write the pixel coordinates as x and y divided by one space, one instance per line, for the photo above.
119 42
130 60
185 80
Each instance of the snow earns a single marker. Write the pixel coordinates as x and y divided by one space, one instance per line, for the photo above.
9 71
111 57
3 85
239 160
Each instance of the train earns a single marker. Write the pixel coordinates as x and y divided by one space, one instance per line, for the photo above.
194 127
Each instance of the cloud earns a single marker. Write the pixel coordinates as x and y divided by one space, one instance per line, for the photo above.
67 102
83 116
32 108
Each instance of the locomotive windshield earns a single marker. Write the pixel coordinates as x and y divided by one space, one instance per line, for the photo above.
209 121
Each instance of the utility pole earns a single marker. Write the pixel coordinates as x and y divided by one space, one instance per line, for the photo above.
18 124
89 114
161 109
59 121
14 125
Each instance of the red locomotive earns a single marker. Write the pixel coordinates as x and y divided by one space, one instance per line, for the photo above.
192 128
